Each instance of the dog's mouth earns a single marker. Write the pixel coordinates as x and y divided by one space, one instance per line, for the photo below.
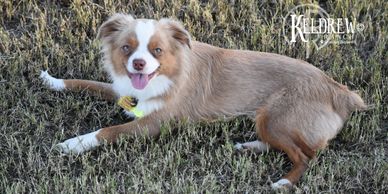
140 80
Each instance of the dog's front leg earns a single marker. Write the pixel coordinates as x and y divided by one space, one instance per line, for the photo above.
149 125
99 88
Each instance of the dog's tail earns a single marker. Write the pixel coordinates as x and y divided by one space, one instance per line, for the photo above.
355 101
346 101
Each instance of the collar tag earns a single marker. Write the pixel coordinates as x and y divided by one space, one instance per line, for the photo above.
129 104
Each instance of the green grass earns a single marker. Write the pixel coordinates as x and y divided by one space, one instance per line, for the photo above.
190 158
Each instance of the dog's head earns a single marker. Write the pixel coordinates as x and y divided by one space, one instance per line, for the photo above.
142 49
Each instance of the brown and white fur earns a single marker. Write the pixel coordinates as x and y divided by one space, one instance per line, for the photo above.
296 107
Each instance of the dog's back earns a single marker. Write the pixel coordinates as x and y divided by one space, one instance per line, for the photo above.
232 82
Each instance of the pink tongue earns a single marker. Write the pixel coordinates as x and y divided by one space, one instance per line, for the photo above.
139 81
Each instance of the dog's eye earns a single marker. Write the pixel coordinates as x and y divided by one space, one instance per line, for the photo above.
158 50
125 49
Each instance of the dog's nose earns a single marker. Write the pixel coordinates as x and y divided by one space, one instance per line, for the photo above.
138 64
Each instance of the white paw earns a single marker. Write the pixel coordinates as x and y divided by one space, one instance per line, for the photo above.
282 183
238 146
52 82
79 144
256 146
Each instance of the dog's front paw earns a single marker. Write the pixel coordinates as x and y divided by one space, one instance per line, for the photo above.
79 144
238 146
52 82
281 184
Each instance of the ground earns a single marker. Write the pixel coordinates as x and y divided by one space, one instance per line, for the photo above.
186 158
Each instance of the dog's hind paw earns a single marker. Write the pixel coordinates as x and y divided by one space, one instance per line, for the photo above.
52 82
281 184
256 146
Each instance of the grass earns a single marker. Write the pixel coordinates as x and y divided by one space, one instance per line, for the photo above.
187 158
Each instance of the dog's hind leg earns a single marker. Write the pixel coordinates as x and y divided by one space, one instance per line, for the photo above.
278 136
98 88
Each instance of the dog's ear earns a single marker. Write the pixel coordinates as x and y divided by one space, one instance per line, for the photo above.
113 24
178 31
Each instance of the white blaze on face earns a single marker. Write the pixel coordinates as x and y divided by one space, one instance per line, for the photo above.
144 31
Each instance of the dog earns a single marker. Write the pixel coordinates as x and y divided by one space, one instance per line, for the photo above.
296 107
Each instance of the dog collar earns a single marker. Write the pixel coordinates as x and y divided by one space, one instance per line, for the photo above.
129 104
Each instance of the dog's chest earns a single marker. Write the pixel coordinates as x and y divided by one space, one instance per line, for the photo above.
146 107
156 87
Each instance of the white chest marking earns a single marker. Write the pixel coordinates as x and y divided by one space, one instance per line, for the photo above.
147 107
